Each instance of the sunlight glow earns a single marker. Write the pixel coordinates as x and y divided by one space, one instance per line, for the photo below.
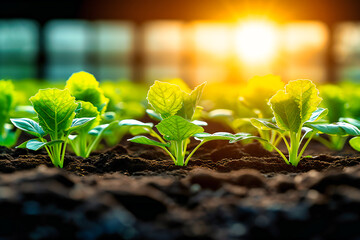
212 39
256 41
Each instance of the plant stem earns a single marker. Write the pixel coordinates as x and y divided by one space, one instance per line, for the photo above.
285 141
154 134
80 145
93 145
324 141
193 151
338 142
294 147
277 141
170 154
281 154
304 147
179 153
63 152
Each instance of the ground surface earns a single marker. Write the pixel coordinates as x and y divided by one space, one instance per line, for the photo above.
135 192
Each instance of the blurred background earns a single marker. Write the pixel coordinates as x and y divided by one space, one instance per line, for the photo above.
196 40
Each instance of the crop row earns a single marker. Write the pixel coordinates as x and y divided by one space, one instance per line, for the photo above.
84 115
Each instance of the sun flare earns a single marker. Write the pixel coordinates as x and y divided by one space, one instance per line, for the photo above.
256 41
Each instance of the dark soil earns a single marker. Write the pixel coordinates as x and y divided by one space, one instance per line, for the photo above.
136 159
134 191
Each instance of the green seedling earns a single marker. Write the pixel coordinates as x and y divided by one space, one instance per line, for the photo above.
8 136
254 98
56 110
334 100
355 141
127 101
175 110
293 108
174 137
84 87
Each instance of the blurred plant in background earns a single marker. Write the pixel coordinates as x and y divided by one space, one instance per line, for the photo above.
126 100
252 102
8 136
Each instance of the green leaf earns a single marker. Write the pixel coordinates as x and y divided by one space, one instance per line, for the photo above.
257 92
9 137
137 127
165 98
7 100
177 128
334 100
190 101
23 111
133 122
55 109
87 111
109 116
352 121
153 115
199 123
318 114
263 125
35 145
355 143
84 87
28 125
79 123
214 136
339 128
139 130
72 137
246 136
98 129
294 106
147 141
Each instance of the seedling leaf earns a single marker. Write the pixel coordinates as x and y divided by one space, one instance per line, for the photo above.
199 123
214 136
339 128
177 128
352 121
35 145
165 98
83 86
295 105
318 114
55 109
152 114
190 101
147 141
28 125
133 122
80 122
263 125
87 111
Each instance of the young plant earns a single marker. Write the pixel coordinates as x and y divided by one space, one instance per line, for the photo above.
127 101
253 102
293 108
86 139
84 87
355 141
334 100
55 110
8 136
175 108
